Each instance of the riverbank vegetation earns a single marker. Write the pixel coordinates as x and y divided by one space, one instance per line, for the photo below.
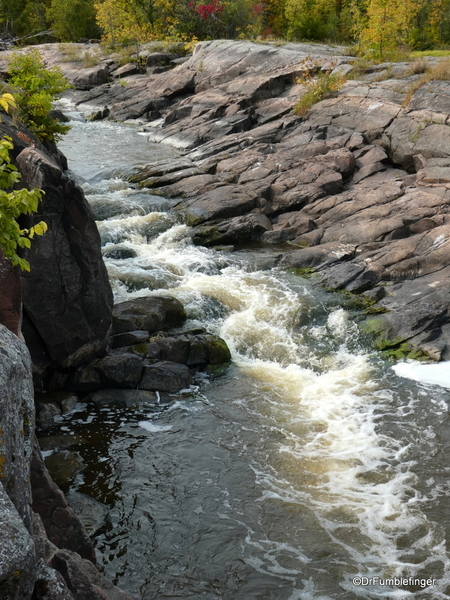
375 28
15 202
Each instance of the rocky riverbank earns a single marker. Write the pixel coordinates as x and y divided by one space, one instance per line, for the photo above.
357 190
78 341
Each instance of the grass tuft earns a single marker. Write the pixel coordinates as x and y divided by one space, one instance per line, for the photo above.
318 88
440 72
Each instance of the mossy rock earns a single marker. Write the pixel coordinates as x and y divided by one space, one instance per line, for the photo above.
216 349
302 271
206 235
393 348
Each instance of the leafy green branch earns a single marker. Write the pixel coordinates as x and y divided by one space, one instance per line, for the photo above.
15 203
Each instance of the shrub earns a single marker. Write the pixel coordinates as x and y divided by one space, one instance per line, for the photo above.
34 88
15 203
317 89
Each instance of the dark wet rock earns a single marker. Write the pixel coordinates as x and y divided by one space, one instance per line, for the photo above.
46 411
64 466
120 370
91 513
216 349
50 585
165 376
83 580
98 115
53 404
59 115
124 398
61 524
129 339
72 311
60 569
173 349
198 350
151 313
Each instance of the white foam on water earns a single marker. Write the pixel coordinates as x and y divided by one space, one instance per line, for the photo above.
335 458
432 374
154 427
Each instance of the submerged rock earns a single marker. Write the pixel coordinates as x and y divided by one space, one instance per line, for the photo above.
91 513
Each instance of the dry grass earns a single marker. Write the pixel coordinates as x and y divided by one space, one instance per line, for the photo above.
318 88
440 72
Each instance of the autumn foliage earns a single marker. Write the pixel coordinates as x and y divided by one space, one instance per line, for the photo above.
376 27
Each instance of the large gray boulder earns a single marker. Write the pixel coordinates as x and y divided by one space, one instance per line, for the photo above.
67 296
16 422
17 553
150 313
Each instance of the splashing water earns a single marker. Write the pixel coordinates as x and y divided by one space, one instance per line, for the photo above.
309 464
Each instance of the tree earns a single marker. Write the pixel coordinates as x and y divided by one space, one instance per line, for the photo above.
387 26
122 22
73 19
34 89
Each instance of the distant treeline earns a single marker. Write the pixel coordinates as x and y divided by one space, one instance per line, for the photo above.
376 27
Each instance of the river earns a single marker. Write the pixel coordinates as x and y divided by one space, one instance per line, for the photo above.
308 464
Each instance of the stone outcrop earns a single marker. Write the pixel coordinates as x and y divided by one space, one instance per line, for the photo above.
18 564
356 190
41 552
67 299
71 314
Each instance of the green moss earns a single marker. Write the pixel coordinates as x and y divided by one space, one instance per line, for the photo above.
376 327
217 350
387 344
302 271
141 349
217 370
402 351
391 348
206 235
